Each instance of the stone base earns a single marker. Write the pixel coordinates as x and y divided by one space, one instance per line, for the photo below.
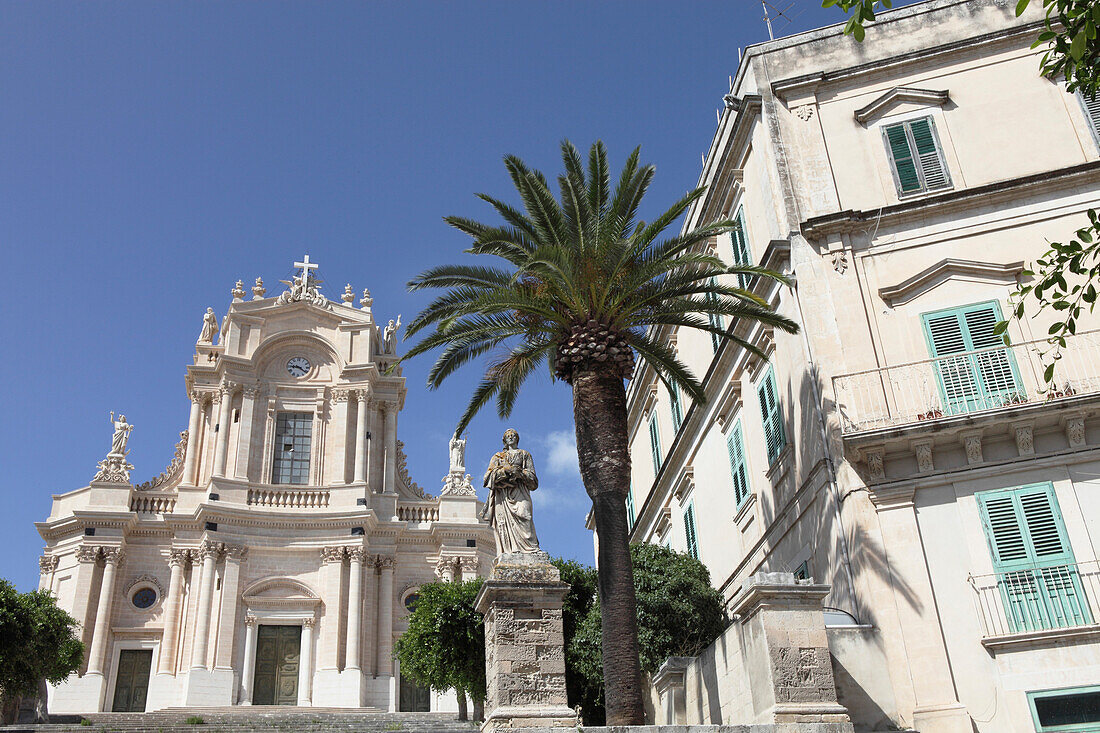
78 695
164 692
526 717
210 688
338 689
950 718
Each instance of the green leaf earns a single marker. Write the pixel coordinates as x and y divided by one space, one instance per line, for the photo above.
1021 7
859 33
1077 46
1048 373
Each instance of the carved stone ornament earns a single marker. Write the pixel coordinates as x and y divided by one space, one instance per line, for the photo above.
236 552
340 395
840 261
349 296
258 289
147 579
332 554
875 466
1075 432
114 469
366 301
112 555
469 565
384 562
177 557
445 566
250 620
403 474
172 472
805 112
309 622
923 451
47 564
356 554
238 290
303 288
972 442
1025 439
457 484
209 549
87 553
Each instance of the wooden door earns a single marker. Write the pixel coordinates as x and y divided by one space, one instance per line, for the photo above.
413 698
132 680
278 656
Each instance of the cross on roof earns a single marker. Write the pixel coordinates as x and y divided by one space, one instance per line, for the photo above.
306 266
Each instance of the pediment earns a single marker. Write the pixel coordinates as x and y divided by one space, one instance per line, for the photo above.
950 269
280 592
900 95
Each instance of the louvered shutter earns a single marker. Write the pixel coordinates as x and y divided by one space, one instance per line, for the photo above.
655 443
772 418
714 318
905 169
1037 576
741 254
677 408
932 170
1092 111
689 531
735 444
630 518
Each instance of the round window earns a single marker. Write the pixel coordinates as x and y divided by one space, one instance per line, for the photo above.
144 597
410 601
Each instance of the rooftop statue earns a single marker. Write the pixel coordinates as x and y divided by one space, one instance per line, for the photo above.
209 327
389 337
511 479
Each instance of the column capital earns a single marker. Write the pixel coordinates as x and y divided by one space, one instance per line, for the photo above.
252 390
469 565
112 555
236 552
309 622
332 554
47 564
227 388
443 564
87 553
384 562
208 549
356 554
177 557
250 620
340 395
363 396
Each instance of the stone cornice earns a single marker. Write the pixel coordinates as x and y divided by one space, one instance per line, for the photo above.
944 269
897 95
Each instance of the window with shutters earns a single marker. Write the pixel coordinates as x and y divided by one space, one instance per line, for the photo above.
916 156
655 442
293 431
775 437
714 318
689 530
1037 577
677 407
735 444
630 518
973 369
1091 106
1073 709
740 241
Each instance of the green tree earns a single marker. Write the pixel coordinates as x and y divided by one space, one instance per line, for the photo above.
679 613
37 641
1066 278
444 646
582 287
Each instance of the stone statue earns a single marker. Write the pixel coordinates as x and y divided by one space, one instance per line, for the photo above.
458 454
209 327
121 436
511 479
389 337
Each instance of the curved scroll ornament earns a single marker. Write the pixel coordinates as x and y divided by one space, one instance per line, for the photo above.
299 291
403 474
114 469
458 484
172 472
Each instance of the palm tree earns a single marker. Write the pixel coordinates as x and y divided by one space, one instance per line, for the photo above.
584 286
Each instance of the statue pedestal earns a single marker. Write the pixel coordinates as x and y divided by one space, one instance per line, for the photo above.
524 645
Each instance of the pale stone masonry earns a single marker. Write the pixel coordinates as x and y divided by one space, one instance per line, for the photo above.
274 560
895 451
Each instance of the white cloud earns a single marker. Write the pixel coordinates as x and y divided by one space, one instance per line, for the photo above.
561 456
554 499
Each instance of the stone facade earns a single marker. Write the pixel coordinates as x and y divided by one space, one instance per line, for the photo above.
874 472
253 528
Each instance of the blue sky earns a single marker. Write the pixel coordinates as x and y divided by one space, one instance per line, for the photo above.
153 153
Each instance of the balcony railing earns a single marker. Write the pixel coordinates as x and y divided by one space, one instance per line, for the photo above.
965 383
418 512
1038 598
289 498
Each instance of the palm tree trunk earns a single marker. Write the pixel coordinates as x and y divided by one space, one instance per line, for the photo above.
599 411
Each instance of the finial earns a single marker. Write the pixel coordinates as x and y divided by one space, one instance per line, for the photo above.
238 290
349 296
258 289
366 301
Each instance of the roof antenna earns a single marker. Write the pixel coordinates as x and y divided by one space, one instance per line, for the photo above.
779 13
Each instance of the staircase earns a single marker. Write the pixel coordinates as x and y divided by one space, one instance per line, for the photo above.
255 719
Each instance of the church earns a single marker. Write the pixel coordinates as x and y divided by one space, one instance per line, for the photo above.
276 558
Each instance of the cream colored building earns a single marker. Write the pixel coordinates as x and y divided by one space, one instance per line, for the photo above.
274 560
895 449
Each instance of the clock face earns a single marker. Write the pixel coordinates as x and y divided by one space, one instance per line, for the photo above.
298 366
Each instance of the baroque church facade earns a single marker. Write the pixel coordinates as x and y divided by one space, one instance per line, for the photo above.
275 560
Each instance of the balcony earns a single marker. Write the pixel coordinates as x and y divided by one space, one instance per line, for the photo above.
1024 605
966 383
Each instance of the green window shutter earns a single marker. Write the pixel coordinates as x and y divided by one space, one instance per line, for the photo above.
736 445
741 253
970 382
1092 112
655 443
714 318
677 408
689 531
905 169
916 155
630 518
1038 579
772 416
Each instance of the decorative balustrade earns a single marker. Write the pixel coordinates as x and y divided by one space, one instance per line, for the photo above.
289 498
965 383
418 512
1038 598
153 503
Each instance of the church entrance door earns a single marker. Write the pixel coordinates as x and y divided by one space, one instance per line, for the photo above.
132 680
278 654
413 697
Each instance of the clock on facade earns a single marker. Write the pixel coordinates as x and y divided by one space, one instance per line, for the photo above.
298 366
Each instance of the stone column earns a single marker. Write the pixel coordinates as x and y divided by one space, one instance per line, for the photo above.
166 664
361 442
305 668
97 655
221 447
192 439
209 553
328 643
244 435
248 670
355 607
784 643
339 462
468 567
47 565
524 645
390 485
85 575
445 568
223 655
384 664
370 595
